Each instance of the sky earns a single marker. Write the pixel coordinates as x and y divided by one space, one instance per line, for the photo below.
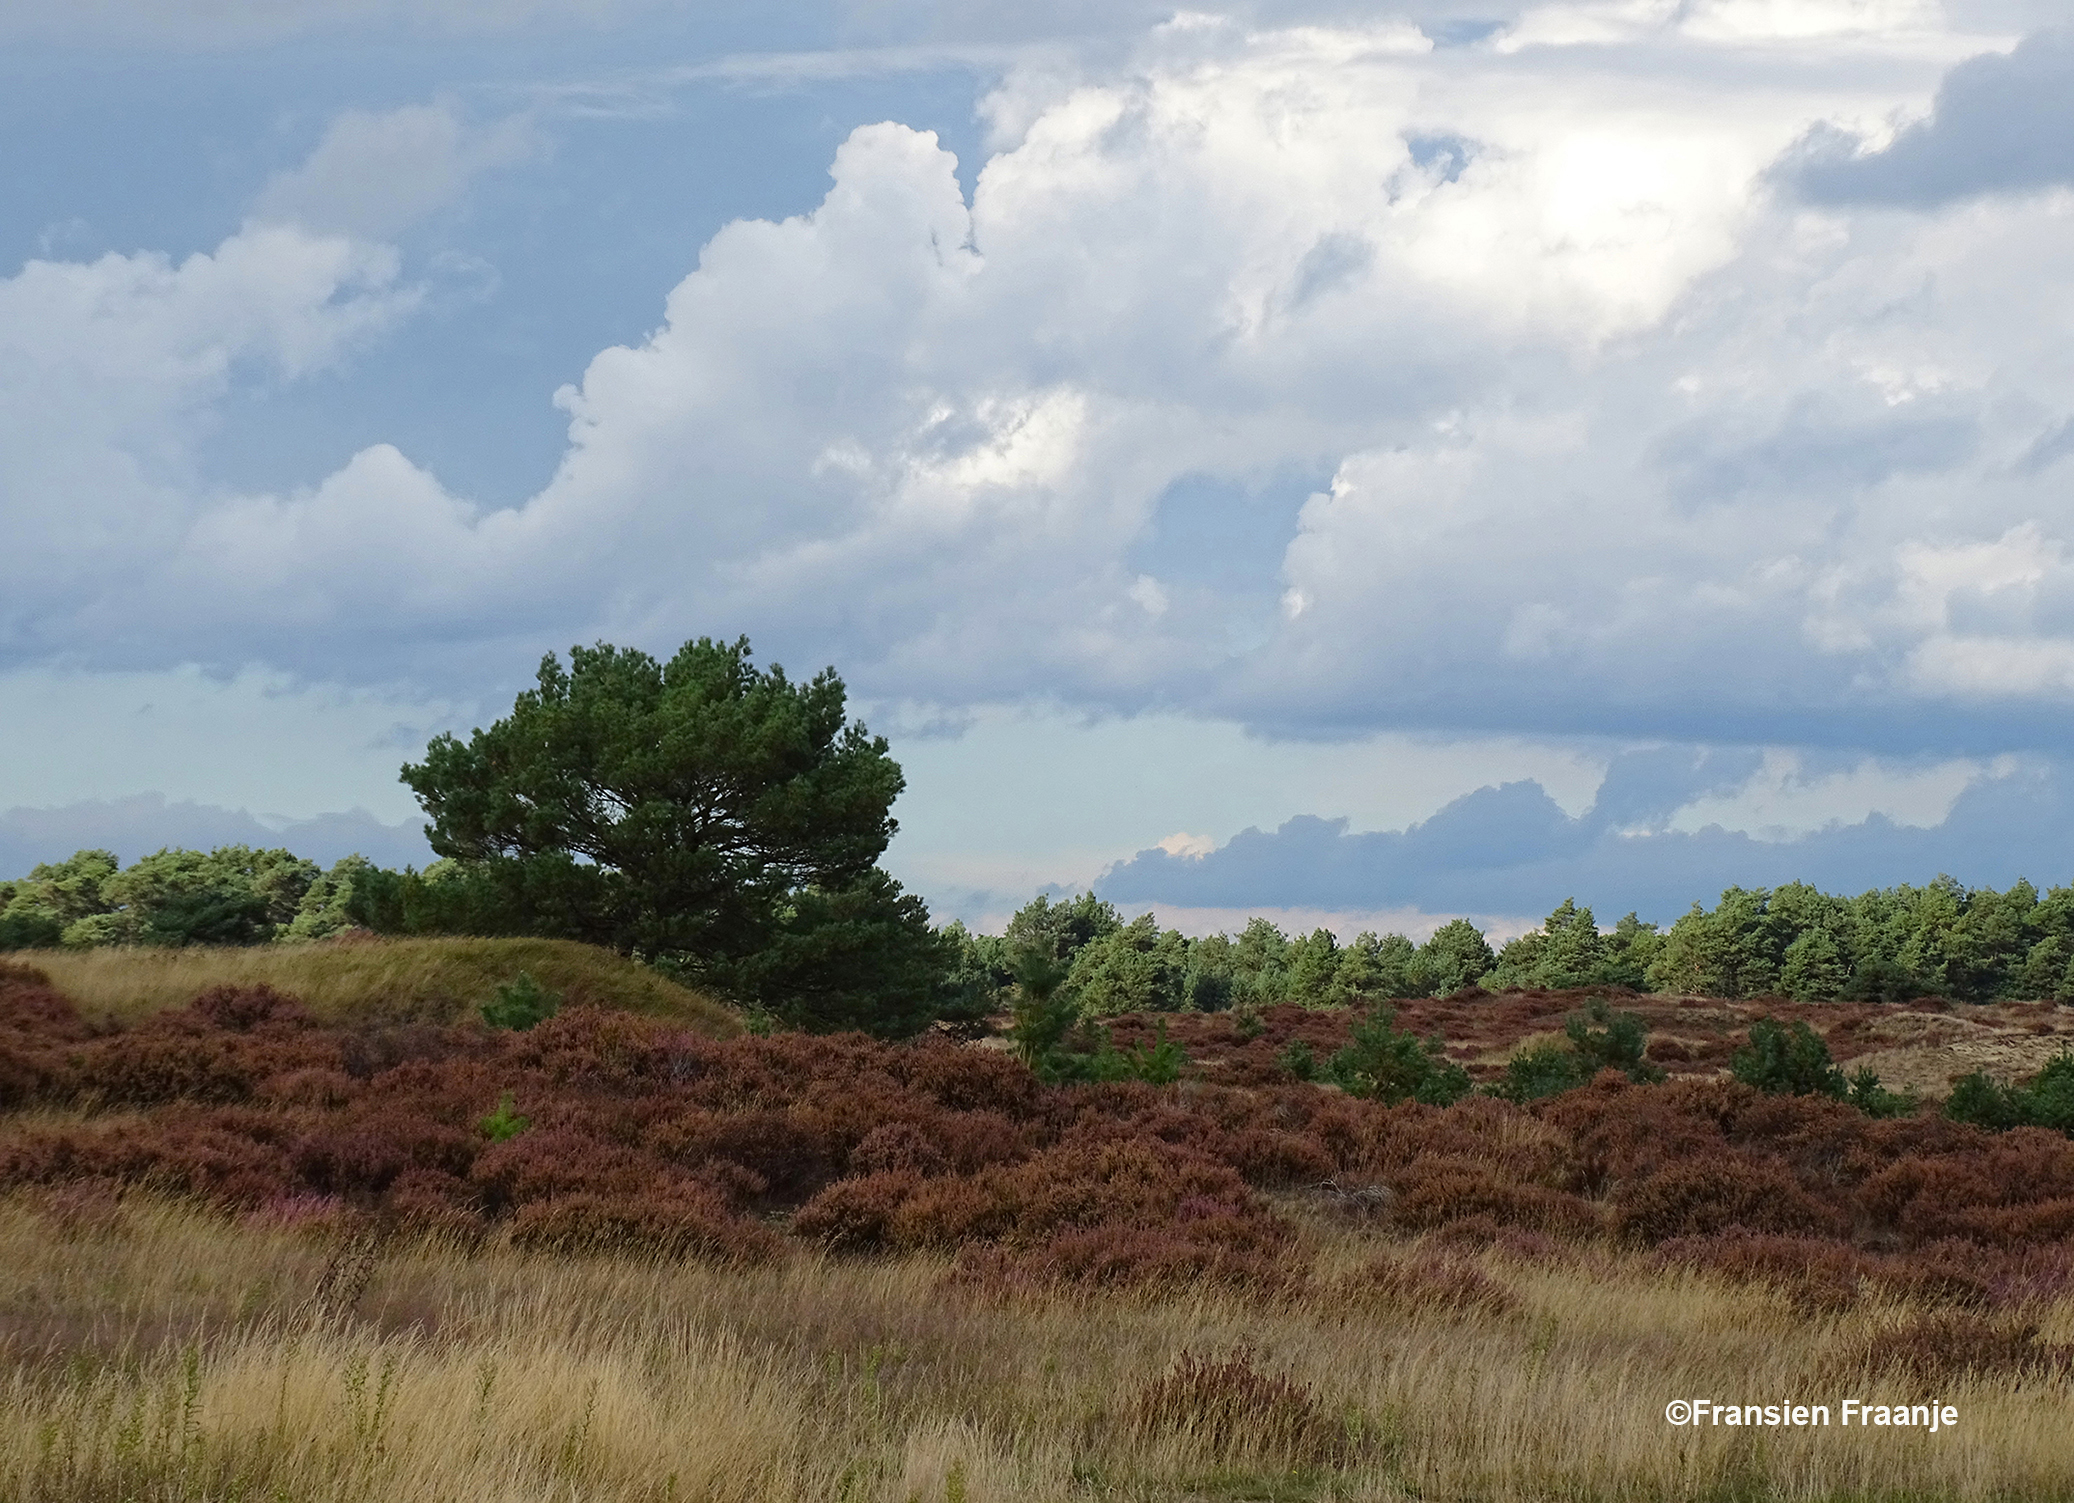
1358 464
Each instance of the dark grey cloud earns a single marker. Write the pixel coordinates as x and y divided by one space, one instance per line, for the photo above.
1511 849
2002 124
136 826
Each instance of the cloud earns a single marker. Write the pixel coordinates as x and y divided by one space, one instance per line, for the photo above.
1511 850
2001 124
374 175
108 373
143 823
1605 439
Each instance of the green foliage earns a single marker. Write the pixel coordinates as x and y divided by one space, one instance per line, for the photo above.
1456 956
233 895
1060 930
1158 1063
1134 967
1597 1039
1042 1016
660 808
1618 1042
1114 967
1296 1057
2047 1101
1629 952
1782 1061
1246 1023
1875 1100
1546 1069
1889 945
55 896
505 1123
859 957
520 1003
1049 1033
1390 1064
1568 951
327 907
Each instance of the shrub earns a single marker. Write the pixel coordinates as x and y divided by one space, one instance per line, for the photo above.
1934 1350
855 1213
1452 1285
1619 1042
675 1218
1389 1064
1794 1061
242 1009
520 1004
1816 1273
1731 1190
505 1123
1433 1193
1543 1070
1225 1406
2048 1101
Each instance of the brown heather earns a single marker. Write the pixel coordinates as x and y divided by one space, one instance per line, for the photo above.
249 1253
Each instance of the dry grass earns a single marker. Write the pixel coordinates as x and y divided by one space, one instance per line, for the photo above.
366 979
153 1352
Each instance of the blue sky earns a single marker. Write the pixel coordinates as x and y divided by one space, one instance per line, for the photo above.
1339 461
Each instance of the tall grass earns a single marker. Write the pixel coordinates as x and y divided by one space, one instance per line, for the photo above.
364 979
157 1352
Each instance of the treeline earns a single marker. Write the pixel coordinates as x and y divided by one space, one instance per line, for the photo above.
1112 967
1891 944
233 895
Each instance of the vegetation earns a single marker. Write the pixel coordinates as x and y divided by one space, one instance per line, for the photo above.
2047 1101
1619 1041
365 980
1247 1216
159 1351
443 1261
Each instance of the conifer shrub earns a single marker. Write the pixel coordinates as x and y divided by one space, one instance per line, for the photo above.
1793 1061
2046 1101
520 1004
1385 1063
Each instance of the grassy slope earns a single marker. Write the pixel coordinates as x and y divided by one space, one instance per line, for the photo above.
389 980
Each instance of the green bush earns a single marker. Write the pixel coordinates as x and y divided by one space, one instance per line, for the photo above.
1390 1064
1617 1042
1788 1062
505 1123
1158 1063
520 1004
1875 1100
1547 1069
2048 1101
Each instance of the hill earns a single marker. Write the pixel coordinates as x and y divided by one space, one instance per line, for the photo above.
361 978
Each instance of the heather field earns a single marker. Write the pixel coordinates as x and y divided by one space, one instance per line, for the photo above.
247 1251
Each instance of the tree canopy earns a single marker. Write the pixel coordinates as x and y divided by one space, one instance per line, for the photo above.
668 808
